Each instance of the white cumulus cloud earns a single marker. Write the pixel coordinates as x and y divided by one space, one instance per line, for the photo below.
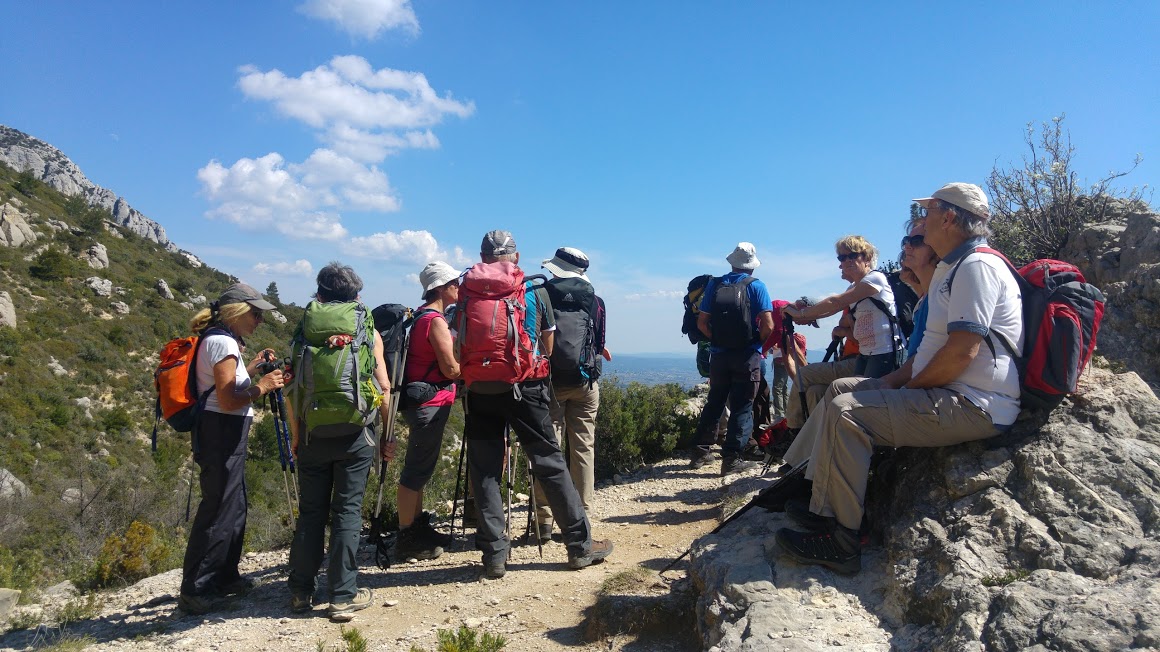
364 18
300 267
301 200
351 103
408 246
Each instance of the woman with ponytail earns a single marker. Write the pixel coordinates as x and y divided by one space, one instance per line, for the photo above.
219 444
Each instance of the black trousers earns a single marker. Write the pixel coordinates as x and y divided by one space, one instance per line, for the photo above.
215 538
487 415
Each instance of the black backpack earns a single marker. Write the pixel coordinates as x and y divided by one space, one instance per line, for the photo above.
731 320
904 302
579 338
392 321
692 301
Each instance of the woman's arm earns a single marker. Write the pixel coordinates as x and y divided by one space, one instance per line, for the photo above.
832 305
225 382
439 336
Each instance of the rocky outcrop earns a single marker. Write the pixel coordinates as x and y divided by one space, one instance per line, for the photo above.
1122 258
1045 538
163 289
8 600
7 310
97 256
11 486
14 229
120 307
23 153
102 287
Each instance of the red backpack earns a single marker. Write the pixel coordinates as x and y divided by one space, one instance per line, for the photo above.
492 321
1061 317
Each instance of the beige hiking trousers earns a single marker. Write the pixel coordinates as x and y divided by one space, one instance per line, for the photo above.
814 379
573 414
854 423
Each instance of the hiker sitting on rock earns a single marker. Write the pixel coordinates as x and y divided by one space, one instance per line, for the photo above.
429 375
871 301
918 265
737 317
957 389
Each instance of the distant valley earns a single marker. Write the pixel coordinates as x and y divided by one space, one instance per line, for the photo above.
660 368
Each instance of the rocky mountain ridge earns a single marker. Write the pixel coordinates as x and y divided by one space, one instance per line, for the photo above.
25 153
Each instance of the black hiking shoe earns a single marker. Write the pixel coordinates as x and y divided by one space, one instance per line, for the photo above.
195 605
799 512
701 457
775 497
495 566
732 465
423 522
413 543
840 550
596 554
301 603
544 533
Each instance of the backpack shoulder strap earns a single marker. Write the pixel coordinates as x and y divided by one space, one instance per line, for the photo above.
1008 346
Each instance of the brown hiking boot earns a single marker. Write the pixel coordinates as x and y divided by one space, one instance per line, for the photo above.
596 554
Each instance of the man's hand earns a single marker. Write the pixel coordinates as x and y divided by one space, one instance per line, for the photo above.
607 356
388 448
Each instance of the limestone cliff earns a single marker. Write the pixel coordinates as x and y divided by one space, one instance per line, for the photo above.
24 153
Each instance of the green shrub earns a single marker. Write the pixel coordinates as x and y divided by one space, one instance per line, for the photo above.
52 264
465 639
638 424
133 557
21 569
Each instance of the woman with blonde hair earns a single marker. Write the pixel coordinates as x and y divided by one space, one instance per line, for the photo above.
219 444
881 344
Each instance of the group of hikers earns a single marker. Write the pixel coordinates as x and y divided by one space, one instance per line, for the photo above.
527 350
528 353
948 383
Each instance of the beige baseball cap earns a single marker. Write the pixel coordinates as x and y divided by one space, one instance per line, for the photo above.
967 196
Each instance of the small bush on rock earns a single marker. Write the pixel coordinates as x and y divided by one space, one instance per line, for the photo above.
124 560
638 424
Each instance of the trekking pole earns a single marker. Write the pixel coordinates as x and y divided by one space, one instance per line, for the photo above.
459 476
534 514
395 376
797 471
284 452
508 465
289 445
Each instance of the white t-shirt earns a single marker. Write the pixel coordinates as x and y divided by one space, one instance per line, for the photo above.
214 349
871 325
985 300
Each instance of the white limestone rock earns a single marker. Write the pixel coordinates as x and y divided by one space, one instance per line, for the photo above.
7 310
97 256
14 229
102 287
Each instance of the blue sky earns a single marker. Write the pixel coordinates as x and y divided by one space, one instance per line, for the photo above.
271 137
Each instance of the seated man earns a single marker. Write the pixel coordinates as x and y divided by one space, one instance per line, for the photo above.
956 390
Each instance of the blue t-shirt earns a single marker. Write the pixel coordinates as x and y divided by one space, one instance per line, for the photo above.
759 301
919 327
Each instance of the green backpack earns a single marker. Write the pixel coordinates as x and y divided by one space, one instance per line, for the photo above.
334 391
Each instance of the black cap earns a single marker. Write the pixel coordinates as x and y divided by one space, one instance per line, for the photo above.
498 243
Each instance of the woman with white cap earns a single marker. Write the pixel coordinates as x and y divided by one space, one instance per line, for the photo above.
430 392
220 442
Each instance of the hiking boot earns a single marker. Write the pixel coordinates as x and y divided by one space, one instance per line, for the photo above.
301 603
840 549
342 612
413 543
800 513
775 497
240 586
753 453
545 532
732 465
596 554
701 457
195 604
423 522
495 567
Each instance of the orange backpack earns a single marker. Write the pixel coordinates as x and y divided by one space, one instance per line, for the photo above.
175 379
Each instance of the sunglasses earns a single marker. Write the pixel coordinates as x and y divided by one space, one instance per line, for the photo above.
913 241
922 211
258 315
844 257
